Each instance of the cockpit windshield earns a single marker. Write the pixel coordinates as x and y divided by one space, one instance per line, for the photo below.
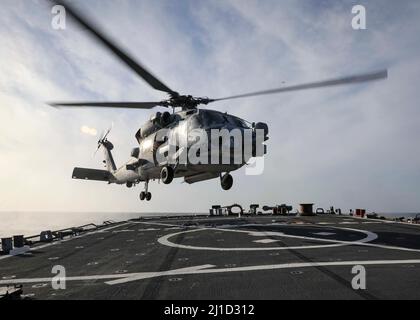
237 121
211 118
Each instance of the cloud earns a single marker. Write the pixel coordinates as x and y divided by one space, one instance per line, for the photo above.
89 131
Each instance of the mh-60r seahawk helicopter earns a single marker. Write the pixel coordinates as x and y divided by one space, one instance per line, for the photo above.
143 165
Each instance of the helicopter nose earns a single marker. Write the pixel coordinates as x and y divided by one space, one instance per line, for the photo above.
264 128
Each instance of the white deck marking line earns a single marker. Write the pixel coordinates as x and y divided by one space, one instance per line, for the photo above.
227 226
343 242
164 240
148 229
70 239
364 242
336 243
265 241
208 269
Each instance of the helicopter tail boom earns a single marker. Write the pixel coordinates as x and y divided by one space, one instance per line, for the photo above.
91 174
109 159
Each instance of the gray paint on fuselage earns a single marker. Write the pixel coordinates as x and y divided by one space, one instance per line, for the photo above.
185 121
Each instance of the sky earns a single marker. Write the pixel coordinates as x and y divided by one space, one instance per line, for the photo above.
351 147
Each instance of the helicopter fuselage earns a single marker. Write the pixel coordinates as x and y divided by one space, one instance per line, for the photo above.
186 132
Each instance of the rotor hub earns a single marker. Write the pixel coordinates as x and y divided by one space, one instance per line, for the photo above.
186 102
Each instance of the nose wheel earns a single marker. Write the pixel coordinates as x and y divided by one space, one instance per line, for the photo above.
146 195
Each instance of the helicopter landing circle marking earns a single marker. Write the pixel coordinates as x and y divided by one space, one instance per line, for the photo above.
370 236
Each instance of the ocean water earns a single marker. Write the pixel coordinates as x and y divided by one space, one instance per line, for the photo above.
32 223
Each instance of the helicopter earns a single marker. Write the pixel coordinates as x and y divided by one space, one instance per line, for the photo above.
152 159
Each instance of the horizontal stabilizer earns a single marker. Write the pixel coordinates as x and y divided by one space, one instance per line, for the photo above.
91 174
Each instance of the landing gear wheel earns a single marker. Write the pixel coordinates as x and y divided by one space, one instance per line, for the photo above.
148 196
167 175
226 181
142 195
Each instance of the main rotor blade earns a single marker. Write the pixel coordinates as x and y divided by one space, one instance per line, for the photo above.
383 74
124 57
122 105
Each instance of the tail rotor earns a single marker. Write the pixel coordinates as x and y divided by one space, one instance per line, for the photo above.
103 139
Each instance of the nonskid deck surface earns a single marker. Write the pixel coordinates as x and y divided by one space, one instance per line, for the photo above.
266 257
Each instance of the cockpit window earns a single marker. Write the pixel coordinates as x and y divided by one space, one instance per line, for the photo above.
209 118
237 122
